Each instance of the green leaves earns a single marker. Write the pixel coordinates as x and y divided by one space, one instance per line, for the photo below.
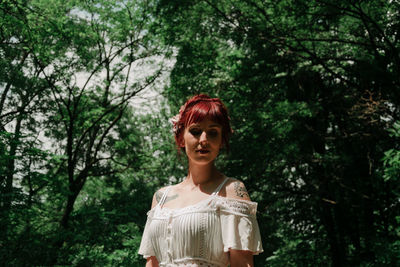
313 93
71 70
391 159
311 90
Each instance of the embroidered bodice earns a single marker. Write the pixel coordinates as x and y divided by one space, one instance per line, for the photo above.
201 234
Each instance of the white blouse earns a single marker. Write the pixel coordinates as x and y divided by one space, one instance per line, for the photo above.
201 234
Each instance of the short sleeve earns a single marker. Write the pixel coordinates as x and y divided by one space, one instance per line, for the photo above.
146 247
239 225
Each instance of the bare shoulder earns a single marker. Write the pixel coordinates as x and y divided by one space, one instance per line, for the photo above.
159 193
157 196
236 189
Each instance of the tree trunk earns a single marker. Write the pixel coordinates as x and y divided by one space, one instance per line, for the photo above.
337 253
7 196
69 207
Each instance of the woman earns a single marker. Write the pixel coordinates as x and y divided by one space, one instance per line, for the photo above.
208 219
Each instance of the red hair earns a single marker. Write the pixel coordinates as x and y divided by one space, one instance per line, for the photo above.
198 108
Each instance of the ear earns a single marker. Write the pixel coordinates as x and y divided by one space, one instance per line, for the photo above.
182 143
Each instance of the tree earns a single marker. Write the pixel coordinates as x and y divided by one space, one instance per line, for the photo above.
312 87
71 70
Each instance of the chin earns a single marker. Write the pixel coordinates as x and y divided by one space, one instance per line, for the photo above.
202 161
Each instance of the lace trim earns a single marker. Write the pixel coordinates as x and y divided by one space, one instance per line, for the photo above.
192 263
240 207
212 203
202 230
203 205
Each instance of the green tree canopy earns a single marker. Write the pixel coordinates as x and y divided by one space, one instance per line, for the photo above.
313 93
312 87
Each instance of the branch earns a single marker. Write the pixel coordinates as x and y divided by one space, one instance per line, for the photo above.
107 131
222 14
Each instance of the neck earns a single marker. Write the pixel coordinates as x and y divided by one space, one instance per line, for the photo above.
203 174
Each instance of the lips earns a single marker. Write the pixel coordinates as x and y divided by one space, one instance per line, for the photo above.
202 151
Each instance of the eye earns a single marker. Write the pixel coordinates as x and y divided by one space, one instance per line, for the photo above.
213 133
195 131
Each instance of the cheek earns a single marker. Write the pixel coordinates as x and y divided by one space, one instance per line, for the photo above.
218 140
187 140
183 140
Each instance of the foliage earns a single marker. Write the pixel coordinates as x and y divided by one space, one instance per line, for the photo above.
312 87
313 93
71 146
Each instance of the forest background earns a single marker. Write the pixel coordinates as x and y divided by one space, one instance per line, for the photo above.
87 88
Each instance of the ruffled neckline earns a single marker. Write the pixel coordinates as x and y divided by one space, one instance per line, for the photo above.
211 202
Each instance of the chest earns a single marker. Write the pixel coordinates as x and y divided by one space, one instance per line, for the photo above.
180 200
193 222
182 233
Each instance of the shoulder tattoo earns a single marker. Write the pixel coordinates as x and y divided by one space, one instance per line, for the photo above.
159 195
240 190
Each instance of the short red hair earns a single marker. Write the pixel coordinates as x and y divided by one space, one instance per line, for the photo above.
198 108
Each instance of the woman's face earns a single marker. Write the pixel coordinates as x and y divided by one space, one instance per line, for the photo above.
202 141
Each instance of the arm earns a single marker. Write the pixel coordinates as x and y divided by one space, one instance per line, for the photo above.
152 262
156 197
239 258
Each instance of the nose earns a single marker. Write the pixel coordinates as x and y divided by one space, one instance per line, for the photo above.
203 138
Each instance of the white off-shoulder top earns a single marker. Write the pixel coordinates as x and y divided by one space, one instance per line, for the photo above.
201 234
